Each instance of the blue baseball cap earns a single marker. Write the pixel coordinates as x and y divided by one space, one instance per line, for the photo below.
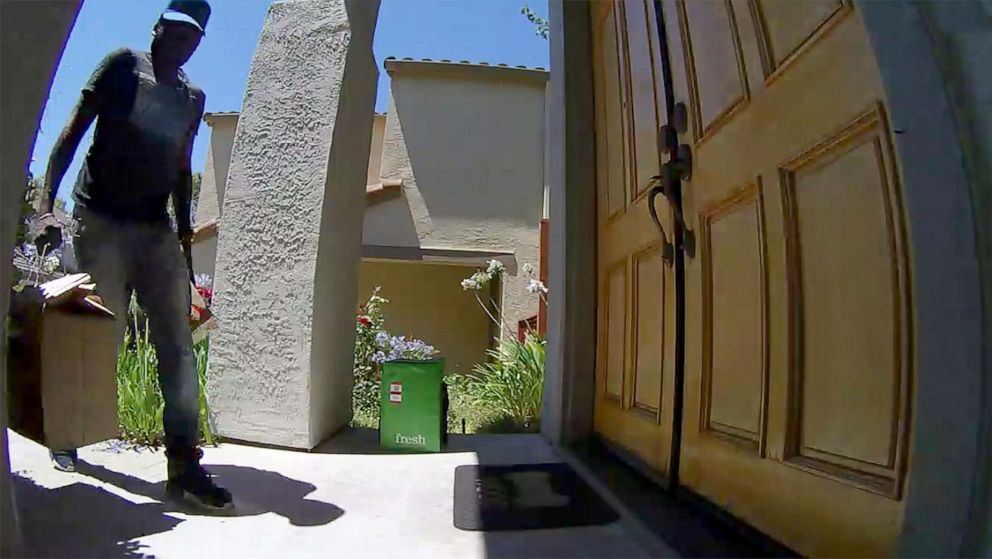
191 12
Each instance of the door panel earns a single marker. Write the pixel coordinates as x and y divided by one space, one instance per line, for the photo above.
787 27
842 218
635 364
735 346
640 47
609 108
616 330
716 71
649 278
798 319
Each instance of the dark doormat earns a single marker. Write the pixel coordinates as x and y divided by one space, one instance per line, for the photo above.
526 497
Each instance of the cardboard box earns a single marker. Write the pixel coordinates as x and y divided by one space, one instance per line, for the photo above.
201 319
62 360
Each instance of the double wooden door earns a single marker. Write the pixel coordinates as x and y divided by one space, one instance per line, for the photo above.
792 275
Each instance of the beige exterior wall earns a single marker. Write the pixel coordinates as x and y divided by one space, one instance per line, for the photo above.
427 302
375 152
468 143
205 256
222 128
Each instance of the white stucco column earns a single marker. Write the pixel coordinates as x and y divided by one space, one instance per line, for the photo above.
290 242
32 36
569 380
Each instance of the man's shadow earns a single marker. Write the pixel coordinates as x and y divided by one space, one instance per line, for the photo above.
81 520
255 492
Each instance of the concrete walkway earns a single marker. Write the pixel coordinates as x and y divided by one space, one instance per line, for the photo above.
346 499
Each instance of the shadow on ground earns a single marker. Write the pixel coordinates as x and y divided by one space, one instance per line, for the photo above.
255 492
82 520
52 526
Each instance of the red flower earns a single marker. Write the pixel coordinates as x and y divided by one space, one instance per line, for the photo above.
364 321
206 293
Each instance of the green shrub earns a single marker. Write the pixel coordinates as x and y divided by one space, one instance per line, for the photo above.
509 389
365 395
139 398
504 395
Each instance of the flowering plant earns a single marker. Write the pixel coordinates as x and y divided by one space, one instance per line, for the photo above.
511 384
203 287
200 318
374 345
392 348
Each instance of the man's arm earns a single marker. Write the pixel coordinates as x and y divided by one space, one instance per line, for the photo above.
182 194
98 92
63 151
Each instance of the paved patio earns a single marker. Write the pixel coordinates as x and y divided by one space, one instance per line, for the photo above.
346 499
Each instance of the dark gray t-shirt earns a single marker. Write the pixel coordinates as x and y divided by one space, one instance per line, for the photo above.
143 133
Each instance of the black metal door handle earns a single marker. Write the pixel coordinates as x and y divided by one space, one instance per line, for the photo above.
670 173
667 248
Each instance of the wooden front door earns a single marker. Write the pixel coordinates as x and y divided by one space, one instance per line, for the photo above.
798 332
635 372
798 327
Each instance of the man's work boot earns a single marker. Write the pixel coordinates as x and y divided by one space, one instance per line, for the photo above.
189 481
64 460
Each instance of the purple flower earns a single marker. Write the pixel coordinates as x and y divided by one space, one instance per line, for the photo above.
393 348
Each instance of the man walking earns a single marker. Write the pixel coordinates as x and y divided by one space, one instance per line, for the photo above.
147 114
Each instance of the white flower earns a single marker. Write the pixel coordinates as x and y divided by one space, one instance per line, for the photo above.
50 264
476 282
202 280
528 269
536 287
495 267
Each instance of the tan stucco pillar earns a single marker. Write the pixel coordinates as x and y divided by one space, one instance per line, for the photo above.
290 242
570 369
32 36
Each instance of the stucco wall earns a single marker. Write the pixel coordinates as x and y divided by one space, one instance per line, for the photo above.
962 34
222 128
340 246
290 244
32 36
375 152
205 256
569 381
427 302
468 142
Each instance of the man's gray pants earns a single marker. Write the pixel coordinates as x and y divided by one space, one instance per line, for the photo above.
124 256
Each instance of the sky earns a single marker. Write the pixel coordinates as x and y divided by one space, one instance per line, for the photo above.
491 31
